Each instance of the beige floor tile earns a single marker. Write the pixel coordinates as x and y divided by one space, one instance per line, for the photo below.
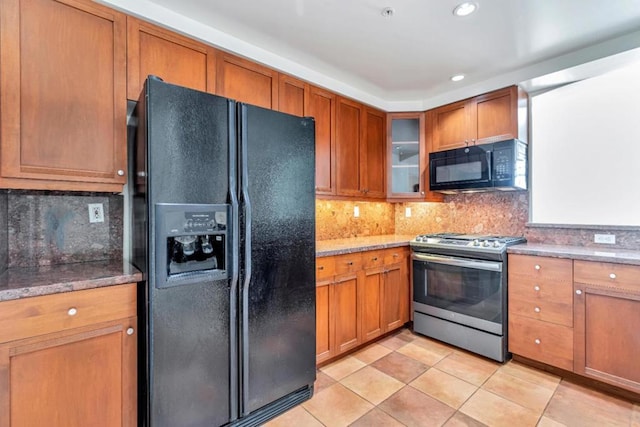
421 354
297 416
576 405
414 408
372 384
432 344
520 391
322 381
343 367
548 422
377 418
444 387
400 367
393 342
337 406
495 411
461 420
406 334
372 353
530 374
472 369
635 418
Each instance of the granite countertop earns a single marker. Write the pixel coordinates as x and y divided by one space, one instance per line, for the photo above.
16 283
619 256
360 244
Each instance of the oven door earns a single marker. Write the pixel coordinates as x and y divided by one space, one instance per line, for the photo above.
461 169
466 291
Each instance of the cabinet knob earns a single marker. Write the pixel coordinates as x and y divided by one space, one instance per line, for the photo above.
578 292
321 267
537 341
395 255
536 288
120 172
130 331
375 258
349 262
422 193
537 309
537 267
473 140
612 275
72 311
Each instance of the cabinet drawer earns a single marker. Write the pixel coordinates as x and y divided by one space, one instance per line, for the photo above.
542 309
35 316
541 269
372 259
545 342
325 267
348 263
607 274
394 255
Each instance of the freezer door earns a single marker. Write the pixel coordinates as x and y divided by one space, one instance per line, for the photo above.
278 244
190 336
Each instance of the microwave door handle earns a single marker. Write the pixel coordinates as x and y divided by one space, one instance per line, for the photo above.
489 165
460 262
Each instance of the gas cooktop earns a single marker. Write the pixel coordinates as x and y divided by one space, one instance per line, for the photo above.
480 242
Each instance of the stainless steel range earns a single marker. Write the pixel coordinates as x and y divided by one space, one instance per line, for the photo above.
460 290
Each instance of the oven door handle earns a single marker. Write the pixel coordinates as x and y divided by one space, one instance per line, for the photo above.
460 262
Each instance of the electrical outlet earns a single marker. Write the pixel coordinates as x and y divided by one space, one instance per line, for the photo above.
407 212
96 212
609 239
356 211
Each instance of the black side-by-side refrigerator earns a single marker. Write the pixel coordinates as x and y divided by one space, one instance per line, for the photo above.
223 229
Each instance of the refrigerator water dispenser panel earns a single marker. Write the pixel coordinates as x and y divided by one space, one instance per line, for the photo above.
191 243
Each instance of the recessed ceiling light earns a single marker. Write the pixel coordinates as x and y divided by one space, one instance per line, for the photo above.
457 77
387 12
465 9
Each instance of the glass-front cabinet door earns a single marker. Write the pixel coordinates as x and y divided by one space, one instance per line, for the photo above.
406 155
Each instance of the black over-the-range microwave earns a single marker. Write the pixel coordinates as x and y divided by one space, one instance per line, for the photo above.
484 167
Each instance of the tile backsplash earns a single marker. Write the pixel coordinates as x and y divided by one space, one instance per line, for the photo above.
46 228
335 219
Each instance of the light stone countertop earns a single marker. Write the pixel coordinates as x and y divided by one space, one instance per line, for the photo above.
361 244
585 253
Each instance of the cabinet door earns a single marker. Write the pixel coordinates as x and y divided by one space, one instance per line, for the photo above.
172 57
371 302
80 377
396 297
406 155
348 134
324 325
451 126
321 105
63 104
292 96
246 81
494 116
372 154
345 304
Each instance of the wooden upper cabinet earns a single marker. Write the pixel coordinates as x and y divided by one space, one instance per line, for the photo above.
246 81
172 57
348 134
321 105
63 103
492 117
292 96
372 155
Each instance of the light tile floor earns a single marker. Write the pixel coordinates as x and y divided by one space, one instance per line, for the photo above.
409 380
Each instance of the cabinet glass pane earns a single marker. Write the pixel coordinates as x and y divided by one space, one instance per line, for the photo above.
405 156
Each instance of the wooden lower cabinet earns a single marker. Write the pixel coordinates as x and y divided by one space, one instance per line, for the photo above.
359 297
83 373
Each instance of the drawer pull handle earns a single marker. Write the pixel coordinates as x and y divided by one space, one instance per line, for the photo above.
578 292
537 267
612 276
537 341
395 255
374 258
72 311
130 331
536 288
321 267
537 309
349 262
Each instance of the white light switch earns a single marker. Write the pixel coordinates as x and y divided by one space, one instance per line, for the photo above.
609 239
96 212
356 211
407 212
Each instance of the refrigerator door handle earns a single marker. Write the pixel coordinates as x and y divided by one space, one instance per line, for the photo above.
235 263
244 321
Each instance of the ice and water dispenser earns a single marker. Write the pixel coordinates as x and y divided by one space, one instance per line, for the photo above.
191 243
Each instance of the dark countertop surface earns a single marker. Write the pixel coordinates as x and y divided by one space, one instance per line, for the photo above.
360 244
16 283
585 253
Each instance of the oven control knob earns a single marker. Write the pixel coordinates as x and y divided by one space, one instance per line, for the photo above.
486 244
476 242
496 244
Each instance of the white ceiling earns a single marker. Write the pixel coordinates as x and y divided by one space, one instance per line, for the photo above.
404 62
